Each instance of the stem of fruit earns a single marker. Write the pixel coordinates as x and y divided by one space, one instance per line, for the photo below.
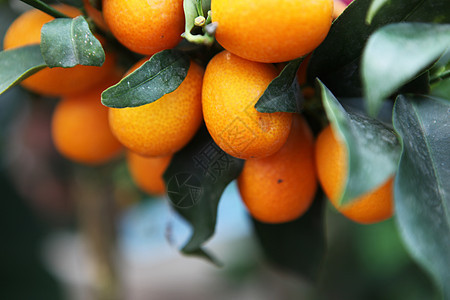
192 10
45 8
95 211
199 8
442 76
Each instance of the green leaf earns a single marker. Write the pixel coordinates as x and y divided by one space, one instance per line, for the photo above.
357 104
298 246
69 42
160 75
443 63
373 148
283 93
441 89
337 60
374 8
430 11
422 186
195 181
18 64
441 69
396 54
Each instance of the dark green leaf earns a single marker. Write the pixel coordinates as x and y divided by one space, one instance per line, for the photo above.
69 42
357 104
374 8
195 180
373 148
160 75
429 11
18 64
336 61
422 186
283 93
396 54
297 246
419 85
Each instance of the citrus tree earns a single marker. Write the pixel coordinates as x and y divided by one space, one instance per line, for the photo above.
296 101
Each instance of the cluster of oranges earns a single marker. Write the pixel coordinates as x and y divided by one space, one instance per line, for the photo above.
283 162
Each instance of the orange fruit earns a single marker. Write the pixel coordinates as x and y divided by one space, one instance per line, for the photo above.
147 172
26 30
166 125
231 88
281 187
271 31
80 128
145 26
332 168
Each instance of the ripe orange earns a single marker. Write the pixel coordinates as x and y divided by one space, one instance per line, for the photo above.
166 125
26 30
145 26
147 172
332 169
271 31
281 187
231 88
80 128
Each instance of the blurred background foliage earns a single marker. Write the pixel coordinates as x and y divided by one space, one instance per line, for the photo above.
362 262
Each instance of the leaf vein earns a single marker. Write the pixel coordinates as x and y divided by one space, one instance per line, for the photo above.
433 162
